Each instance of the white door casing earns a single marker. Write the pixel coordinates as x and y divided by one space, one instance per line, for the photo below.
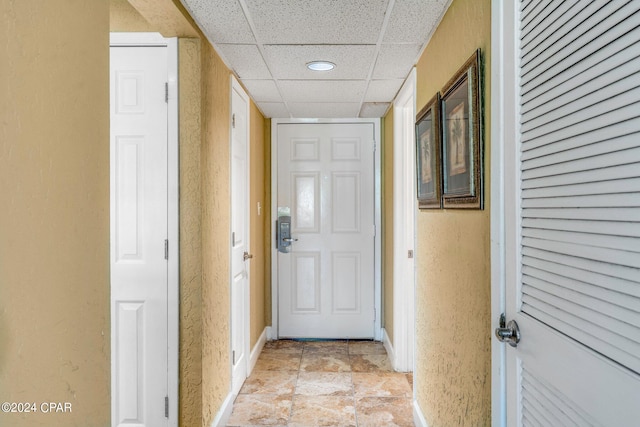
144 230
404 215
239 235
326 284
566 241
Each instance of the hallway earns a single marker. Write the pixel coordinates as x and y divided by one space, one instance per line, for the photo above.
319 383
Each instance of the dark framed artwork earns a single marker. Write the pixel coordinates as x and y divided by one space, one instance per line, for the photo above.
428 157
461 138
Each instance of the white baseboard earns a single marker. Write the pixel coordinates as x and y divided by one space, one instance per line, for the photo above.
270 333
389 347
224 413
418 416
257 349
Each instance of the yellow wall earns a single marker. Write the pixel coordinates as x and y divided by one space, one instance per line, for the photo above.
257 223
190 394
215 233
54 210
387 223
453 369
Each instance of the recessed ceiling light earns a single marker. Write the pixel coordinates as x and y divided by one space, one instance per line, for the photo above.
321 66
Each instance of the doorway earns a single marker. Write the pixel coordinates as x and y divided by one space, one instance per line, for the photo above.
326 183
144 230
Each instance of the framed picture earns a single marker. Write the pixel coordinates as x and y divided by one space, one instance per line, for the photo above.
461 138
428 157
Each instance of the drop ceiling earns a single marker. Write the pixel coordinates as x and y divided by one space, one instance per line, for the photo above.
267 44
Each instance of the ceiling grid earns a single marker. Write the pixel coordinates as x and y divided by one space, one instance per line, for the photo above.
267 44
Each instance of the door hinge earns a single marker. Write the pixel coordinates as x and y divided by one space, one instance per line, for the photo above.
166 249
233 239
410 254
233 356
233 121
166 92
374 230
166 406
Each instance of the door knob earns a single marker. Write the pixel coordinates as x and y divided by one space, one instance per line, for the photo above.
247 256
509 333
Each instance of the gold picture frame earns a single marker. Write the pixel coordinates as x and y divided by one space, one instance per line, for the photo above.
428 156
462 149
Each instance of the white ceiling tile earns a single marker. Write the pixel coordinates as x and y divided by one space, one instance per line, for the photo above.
262 90
245 59
412 21
273 109
382 90
290 61
322 90
374 109
395 61
324 110
317 21
222 21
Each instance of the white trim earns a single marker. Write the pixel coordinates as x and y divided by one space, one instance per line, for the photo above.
225 411
270 335
377 216
503 95
418 417
404 214
257 349
173 206
389 347
235 85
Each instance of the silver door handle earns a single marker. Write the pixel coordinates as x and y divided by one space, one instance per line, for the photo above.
247 256
289 239
509 333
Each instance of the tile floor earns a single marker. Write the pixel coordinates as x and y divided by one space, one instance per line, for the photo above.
324 383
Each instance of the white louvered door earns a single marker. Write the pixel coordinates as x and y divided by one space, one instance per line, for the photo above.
573 239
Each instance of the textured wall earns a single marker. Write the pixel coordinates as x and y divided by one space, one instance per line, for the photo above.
268 222
387 223
256 223
54 210
216 372
190 234
453 372
125 18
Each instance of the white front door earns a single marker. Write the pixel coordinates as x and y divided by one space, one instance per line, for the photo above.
326 182
239 235
139 204
572 234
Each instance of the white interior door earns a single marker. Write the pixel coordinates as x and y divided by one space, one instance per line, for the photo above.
326 180
571 209
139 231
239 235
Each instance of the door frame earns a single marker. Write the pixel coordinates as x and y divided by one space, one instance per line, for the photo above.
404 214
504 131
235 85
377 331
173 220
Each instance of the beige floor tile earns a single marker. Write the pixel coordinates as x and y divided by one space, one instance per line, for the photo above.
324 384
333 347
270 382
278 362
322 362
381 384
260 410
323 411
384 411
283 346
410 379
370 363
366 347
